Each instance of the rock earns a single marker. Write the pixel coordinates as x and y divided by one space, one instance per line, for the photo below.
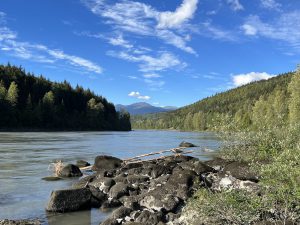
118 190
102 183
51 178
20 222
99 196
82 163
109 204
217 163
197 166
82 183
221 182
137 179
149 218
187 144
70 170
117 216
104 162
130 202
241 171
160 201
159 170
69 200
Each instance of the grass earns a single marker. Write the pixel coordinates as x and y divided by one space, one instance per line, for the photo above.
56 167
275 155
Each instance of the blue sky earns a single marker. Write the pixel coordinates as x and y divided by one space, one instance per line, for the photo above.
165 52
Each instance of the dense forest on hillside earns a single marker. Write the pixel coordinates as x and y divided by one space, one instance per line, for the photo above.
30 102
256 105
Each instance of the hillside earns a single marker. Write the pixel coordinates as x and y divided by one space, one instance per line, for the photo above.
29 102
243 105
141 108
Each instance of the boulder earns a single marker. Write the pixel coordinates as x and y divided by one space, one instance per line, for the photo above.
118 190
187 144
105 162
70 170
69 200
241 171
20 222
83 182
217 163
102 183
149 218
109 204
159 201
117 216
82 163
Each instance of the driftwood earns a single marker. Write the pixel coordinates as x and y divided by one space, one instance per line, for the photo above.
136 159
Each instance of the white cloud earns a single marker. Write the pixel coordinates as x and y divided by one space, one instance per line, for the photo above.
270 4
132 77
249 29
182 14
235 5
155 84
242 79
209 30
143 20
151 75
119 41
286 28
137 95
148 63
10 44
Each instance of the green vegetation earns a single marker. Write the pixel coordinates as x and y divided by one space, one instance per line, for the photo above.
273 151
245 106
29 102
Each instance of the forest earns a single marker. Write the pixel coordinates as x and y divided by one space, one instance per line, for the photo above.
28 102
257 105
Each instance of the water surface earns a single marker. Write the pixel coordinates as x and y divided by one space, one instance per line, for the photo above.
25 159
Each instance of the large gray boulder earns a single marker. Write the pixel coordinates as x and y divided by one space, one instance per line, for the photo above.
104 162
69 200
70 170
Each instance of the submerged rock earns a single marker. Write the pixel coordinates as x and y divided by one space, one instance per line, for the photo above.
69 200
187 144
54 178
82 163
70 170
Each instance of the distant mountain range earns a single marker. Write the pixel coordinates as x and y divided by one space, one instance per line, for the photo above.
141 108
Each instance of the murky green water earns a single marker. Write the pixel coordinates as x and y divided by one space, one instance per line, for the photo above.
25 158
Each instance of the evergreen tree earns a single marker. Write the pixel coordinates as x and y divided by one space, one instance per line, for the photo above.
2 91
12 94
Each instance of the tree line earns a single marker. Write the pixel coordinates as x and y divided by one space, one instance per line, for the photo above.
30 102
258 105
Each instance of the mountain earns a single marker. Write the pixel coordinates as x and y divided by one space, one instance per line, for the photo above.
28 102
256 104
141 108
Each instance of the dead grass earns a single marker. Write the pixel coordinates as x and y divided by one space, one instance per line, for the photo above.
56 167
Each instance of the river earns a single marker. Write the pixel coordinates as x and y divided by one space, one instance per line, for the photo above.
26 156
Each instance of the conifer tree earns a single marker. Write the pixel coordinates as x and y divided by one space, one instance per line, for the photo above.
2 91
12 94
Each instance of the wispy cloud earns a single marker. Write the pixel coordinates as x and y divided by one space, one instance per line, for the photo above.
137 95
143 20
286 28
155 84
151 75
270 4
10 44
147 63
235 5
242 79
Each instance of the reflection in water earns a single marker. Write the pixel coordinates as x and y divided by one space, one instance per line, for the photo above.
25 158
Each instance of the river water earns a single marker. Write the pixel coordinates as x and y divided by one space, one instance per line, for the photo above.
25 159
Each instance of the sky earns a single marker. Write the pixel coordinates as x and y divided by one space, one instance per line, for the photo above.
164 52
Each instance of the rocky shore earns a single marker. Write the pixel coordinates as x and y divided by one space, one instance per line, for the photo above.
152 192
